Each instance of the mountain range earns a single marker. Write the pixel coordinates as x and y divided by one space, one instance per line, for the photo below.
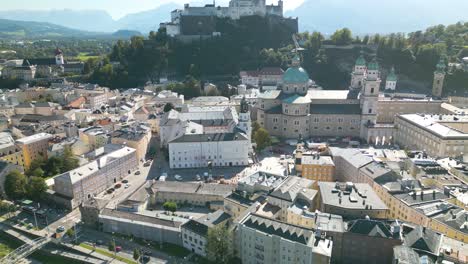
95 20
361 16
377 16
13 29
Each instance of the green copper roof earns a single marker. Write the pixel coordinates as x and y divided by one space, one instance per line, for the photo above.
297 99
373 65
295 75
392 76
361 61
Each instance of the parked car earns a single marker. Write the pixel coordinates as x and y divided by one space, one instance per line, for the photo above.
99 242
125 181
126 186
137 173
118 248
60 229
118 185
111 190
178 177
146 164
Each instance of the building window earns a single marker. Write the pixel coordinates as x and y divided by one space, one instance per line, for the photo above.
285 121
372 90
275 120
370 110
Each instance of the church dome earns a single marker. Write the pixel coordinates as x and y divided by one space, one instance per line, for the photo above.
361 61
295 75
392 76
373 65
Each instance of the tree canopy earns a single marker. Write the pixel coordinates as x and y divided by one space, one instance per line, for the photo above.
18 186
219 244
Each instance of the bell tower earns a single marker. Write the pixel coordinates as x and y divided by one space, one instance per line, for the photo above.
359 73
439 77
59 57
369 97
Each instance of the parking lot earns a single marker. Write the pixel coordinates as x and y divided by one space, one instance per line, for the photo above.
44 215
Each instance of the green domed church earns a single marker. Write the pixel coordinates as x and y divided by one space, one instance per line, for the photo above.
298 110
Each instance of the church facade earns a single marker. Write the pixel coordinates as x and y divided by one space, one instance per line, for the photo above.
296 111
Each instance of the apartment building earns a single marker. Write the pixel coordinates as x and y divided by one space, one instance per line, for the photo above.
34 147
437 135
269 241
94 137
138 137
221 149
318 168
87 181
351 200
9 151
195 231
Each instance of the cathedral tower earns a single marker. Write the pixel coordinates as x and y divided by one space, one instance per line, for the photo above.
59 57
369 97
359 73
391 81
245 123
439 76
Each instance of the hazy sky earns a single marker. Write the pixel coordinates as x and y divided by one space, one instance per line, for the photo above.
116 8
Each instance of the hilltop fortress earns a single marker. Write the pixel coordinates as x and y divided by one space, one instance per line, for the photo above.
202 20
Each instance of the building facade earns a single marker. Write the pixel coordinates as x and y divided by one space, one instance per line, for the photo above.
198 151
34 147
437 135
264 240
89 180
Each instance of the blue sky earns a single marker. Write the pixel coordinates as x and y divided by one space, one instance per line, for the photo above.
116 8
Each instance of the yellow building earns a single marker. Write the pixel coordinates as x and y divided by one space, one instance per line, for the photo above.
137 139
317 168
34 147
402 207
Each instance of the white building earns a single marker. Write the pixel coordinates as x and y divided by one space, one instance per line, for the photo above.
87 181
197 120
195 232
221 149
438 135
265 240
166 96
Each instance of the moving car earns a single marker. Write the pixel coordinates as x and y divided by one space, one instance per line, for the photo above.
60 229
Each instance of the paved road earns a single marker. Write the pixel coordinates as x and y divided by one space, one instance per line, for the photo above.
91 236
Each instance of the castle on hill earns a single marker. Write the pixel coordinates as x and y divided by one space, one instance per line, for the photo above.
201 20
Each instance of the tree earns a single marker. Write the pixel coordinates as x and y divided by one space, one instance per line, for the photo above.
262 138
70 232
219 244
38 172
112 245
168 107
136 254
170 206
70 162
15 185
36 188
342 37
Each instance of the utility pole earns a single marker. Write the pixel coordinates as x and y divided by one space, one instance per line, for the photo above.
47 225
35 218
76 231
